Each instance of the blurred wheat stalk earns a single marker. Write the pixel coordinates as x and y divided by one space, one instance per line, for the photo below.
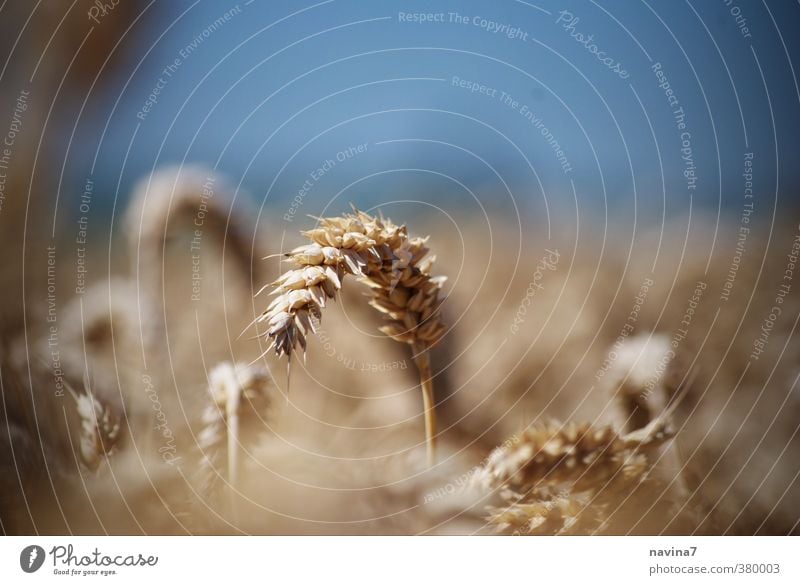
232 419
395 267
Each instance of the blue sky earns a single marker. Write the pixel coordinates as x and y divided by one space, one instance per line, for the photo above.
281 87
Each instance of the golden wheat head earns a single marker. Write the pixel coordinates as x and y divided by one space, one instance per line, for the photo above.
377 252
380 254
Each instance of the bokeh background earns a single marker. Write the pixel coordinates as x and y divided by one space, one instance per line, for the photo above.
643 141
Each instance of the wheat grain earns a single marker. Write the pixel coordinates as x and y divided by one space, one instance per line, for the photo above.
558 452
100 428
381 255
549 475
556 514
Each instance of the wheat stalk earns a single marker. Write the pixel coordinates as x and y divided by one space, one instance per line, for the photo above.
239 398
381 255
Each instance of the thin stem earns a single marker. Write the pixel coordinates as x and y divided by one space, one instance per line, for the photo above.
233 455
232 416
426 383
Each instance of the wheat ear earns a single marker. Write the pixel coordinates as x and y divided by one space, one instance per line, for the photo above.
100 427
381 255
239 398
556 452
173 198
548 475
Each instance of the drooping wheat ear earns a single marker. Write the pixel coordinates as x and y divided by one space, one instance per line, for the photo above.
550 474
100 427
393 265
196 200
234 416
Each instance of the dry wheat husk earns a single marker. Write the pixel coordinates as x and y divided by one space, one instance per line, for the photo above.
569 479
100 428
380 254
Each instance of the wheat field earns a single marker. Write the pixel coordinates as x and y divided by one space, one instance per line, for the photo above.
562 396
344 269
